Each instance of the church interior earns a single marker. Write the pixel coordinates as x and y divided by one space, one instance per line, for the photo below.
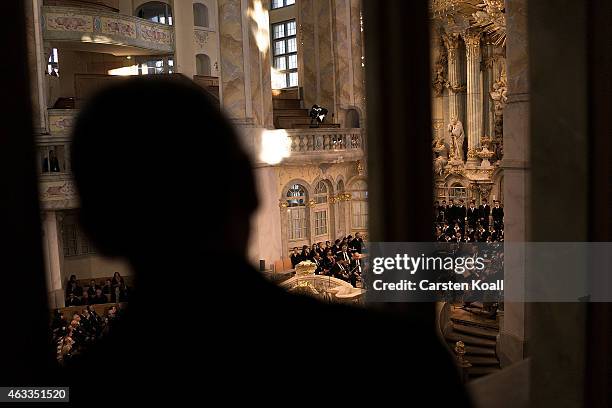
364 121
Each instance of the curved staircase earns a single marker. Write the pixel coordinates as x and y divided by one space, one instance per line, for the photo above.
479 333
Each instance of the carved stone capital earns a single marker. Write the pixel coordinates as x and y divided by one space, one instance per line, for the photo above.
451 42
472 43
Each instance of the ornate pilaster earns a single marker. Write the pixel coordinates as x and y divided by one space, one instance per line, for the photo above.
451 42
488 78
474 94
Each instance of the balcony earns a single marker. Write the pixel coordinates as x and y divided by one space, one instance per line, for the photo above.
313 146
87 29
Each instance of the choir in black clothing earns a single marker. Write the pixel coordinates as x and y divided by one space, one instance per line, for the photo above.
454 222
341 260
74 335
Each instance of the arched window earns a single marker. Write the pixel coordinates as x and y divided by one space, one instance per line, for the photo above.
457 192
321 209
200 15
359 205
321 193
340 186
203 65
161 65
296 212
352 119
155 11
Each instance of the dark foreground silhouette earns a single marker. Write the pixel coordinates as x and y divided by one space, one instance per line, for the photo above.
164 183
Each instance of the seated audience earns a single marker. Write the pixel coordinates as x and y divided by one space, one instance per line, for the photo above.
74 288
107 289
296 258
99 298
73 300
85 299
92 287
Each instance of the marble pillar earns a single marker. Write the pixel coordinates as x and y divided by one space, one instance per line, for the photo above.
37 66
231 55
515 164
316 59
184 56
474 94
307 52
246 97
451 42
53 259
258 65
348 58
488 79
265 240
326 69
357 59
245 79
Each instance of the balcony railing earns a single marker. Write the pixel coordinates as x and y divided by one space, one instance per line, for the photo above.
73 24
61 121
325 140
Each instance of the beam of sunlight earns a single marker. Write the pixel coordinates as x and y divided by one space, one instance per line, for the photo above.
124 71
261 31
275 146
278 79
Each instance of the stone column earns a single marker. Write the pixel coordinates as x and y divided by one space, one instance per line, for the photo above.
515 164
451 42
245 80
348 58
474 94
52 259
316 54
184 56
246 97
37 65
488 78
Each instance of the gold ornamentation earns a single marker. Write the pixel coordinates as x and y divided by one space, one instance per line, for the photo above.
472 43
491 18
442 8
360 169
456 88
451 42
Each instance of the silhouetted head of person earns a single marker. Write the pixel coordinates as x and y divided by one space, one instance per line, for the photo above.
159 169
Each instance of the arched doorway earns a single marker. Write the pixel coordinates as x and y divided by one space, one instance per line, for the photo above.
359 205
203 65
321 213
352 119
297 217
155 11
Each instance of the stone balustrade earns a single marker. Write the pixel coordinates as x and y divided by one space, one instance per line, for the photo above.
325 140
86 25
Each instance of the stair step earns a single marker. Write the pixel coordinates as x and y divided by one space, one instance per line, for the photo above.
479 351
477 322
322 126
287 122
482 371
482 361
286 103
291 112
286 93
475 331
454 337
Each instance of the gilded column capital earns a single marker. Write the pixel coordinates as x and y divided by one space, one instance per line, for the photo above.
472 43
451 42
